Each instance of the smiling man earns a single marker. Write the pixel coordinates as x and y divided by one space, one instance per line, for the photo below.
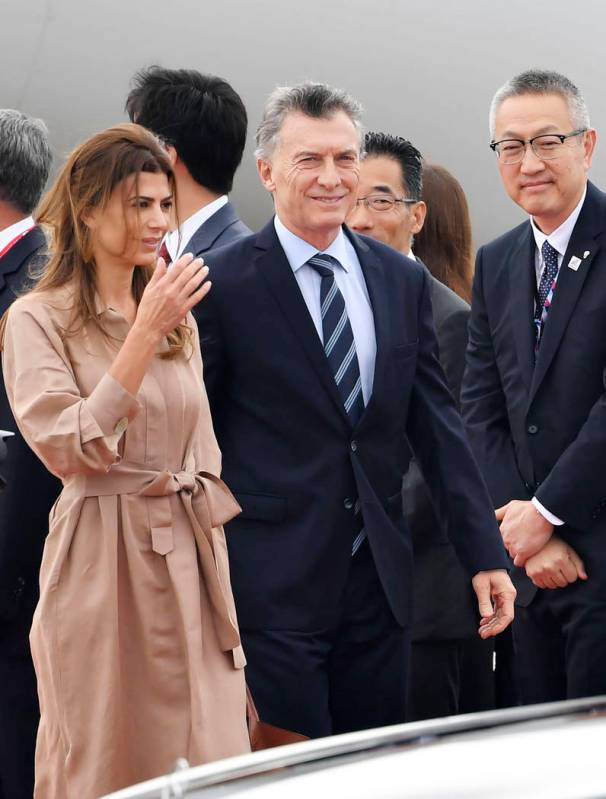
319 357
533 394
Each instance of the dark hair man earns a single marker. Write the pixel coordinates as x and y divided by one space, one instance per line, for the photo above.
203 121
447 655
533 394
25 159
319 356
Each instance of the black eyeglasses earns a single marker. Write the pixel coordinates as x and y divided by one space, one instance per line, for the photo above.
546 147
382 202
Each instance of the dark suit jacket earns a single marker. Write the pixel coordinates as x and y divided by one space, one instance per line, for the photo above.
26 501
444 606
290 455
222 228
541 429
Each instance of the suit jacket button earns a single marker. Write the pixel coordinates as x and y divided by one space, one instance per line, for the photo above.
532 429
354 445
348 503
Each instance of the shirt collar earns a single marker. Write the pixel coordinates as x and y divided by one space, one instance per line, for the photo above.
12 231
561 236
177 240
298 251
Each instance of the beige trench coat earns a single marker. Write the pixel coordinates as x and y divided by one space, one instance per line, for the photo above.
135 640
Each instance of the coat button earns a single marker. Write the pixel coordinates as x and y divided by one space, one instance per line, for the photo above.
354 445
532 429
348 503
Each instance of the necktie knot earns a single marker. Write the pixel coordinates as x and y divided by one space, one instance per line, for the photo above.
549 253
323 264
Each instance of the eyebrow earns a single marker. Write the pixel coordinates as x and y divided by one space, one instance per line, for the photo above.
149 199
508 134
383 189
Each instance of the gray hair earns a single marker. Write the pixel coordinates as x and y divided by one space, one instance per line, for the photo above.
313 99
539 81
25 159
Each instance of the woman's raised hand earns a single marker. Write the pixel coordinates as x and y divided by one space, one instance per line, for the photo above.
171 294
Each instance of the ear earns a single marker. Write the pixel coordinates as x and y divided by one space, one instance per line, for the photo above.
172 154
589 146
264 168
418 212
90 218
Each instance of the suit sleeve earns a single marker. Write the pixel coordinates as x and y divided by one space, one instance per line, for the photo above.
70 433
211 346
436 433
484 408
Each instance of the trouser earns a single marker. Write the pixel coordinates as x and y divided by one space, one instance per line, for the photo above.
560 645
450 677
350 677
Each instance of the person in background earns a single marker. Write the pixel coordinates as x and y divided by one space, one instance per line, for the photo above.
451 667
319 358
444 242
533 395
25 502
203 122
135 639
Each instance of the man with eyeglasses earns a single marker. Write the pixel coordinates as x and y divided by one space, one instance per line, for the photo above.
533 394
447 654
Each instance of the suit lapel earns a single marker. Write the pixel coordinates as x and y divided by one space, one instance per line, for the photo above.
276 271
375 283
206 235
19 253
521 301
570 283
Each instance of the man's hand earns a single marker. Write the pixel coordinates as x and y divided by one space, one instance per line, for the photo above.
523 529
495 593
556 565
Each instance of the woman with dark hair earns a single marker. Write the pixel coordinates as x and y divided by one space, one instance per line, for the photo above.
445 242
135 639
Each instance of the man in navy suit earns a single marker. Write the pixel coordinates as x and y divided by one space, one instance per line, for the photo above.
319 359
25 160
533 395
203 121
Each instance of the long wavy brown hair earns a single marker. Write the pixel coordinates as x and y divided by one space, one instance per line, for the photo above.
87 180
445 242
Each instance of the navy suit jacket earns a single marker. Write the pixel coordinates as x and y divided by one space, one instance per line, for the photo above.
541 429
223 227
31 489
291 456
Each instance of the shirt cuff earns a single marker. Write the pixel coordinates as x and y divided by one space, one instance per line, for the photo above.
546 514
108 410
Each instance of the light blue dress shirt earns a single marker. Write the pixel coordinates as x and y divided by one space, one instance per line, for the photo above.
350 280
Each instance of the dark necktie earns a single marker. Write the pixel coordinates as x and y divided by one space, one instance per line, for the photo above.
547 286
340 349
339 344
164 253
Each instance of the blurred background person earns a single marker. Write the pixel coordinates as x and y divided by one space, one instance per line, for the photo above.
25 160
451 667
203 122
134 638
444 243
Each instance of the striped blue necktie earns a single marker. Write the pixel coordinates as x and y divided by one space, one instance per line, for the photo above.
340 349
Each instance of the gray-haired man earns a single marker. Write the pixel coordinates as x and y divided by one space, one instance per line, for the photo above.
319 356
533 395
25 160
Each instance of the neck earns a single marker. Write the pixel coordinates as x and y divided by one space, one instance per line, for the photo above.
547 224
320 239
9 215
191 196
114 282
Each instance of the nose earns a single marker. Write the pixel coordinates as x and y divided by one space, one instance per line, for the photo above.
360 218
531 163
159 218
329 176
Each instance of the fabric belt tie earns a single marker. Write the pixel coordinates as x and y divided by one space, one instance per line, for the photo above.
208 503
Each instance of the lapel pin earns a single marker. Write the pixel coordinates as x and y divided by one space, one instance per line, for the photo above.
574 263
586 253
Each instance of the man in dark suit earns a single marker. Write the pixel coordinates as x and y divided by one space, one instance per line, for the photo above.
25 160
447 654
533 395
203 121
319 356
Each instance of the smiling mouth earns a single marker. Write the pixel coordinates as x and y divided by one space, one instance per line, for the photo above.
153 244
330 200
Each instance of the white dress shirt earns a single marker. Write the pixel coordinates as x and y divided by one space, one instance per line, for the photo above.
12 231
559 241
350 281
177 240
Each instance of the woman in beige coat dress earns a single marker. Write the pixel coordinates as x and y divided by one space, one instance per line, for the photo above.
135 639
